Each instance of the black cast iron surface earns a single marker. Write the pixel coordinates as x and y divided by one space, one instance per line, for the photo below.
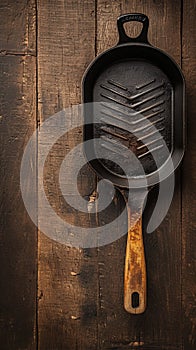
135 82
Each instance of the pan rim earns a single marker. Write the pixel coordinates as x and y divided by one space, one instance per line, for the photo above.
129 45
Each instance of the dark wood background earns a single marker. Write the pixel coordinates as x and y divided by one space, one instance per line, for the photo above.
45 46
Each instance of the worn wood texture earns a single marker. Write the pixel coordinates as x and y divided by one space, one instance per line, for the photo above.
189 179
18 243
160 326
17 27
80 291
68 293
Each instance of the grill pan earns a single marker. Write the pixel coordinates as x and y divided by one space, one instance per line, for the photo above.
140 92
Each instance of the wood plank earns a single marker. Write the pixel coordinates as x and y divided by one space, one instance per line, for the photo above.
160 326
18 235
17 27
18 245
189 179
67 276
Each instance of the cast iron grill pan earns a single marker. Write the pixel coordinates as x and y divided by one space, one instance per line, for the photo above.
139 92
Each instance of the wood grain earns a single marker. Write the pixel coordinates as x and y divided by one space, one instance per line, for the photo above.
18 235
68 293
160 326
135 264
18 27
80 291
189 179
18 245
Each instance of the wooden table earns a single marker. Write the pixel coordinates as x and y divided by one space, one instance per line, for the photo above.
52 296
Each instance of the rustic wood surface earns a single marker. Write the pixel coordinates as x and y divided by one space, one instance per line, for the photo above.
18 242
189 180
45 47
67 302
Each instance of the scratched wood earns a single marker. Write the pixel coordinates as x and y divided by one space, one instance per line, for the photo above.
17 27
189 180
160 326
18 242
80 291
68 294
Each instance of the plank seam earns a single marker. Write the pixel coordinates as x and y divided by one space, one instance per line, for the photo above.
96 29
16 53
181 33
37 124
181 196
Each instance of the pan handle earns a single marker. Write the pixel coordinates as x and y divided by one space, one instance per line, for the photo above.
135 266
129 17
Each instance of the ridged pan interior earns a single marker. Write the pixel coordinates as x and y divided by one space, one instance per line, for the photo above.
136 113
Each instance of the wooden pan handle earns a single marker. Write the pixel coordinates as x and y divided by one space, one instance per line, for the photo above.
135 266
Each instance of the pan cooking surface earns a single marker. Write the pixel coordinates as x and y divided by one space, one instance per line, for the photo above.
135 114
